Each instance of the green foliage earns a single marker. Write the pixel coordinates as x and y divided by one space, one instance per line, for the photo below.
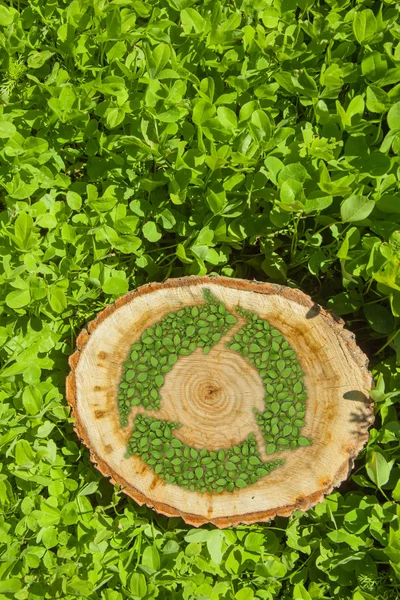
285 398
196 470
146 139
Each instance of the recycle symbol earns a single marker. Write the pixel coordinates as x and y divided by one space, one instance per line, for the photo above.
180 334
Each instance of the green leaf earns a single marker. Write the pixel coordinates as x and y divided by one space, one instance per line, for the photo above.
32 400
128 244
270 17
396 492
35 146
161 55
57 299
300 592
115 286
23 231
181 254
88 488
292 171
260 125
292 195
192 21
197 535
15 369
10 586
18 299
79 587
247 110
393 117
213 257
74 200
38 59
374 66
380 319
114 117
6 18
7 129
274 166
113 24
112 84
245 593
214 545
389 203
170 116
167 218
356 107
202 112
151 232
46 221
271 567
378 468
151 558
364 25
216 200
116 52
356 208
227 118
49 537
317 201
254 541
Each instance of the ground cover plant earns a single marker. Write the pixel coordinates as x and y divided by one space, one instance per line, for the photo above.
141 140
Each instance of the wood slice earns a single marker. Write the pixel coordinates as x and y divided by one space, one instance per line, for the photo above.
220 400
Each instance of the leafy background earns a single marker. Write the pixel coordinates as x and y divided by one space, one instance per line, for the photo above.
141 140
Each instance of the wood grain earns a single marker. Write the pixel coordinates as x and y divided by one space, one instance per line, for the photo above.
213 396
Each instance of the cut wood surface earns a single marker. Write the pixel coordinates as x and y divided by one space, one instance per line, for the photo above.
225 408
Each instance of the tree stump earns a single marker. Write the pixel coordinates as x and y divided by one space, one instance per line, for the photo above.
220 400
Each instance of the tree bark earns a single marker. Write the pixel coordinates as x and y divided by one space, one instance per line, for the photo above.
220 400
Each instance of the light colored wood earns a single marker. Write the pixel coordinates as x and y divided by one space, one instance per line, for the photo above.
213 395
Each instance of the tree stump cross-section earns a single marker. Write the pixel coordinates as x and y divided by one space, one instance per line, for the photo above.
220 400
